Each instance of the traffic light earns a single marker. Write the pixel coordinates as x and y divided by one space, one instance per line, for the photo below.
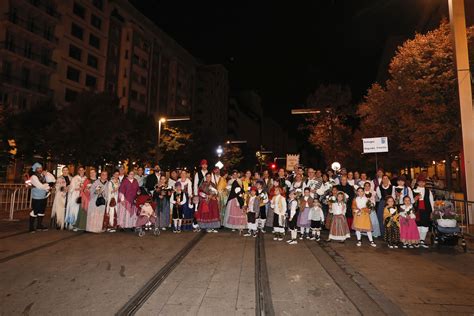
273 166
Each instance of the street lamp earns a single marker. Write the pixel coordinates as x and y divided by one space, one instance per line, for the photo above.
219 151
163 120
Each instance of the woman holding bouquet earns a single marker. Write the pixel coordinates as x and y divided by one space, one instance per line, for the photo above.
74 197
234 215
58 213
391 219
361 208
97 204
85 198
207 215
339 228
370 195
110 217
409 235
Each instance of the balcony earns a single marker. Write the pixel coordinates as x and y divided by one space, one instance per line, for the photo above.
45 7
26 84
29 54
32 28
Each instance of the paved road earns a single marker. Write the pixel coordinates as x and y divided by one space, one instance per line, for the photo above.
62 273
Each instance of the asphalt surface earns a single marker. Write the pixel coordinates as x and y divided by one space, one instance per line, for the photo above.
67 273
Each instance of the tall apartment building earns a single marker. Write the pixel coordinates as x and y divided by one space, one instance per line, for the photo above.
27 41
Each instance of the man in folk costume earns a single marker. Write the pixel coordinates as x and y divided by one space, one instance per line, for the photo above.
263 204
267 181
278 205
39 196
200 176
312 182
377 180
283 182
152 179
253 208
424 202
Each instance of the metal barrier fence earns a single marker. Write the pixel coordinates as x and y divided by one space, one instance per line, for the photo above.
465 210
15 198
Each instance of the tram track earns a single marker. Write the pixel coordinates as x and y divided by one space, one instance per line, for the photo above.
14 234
263 295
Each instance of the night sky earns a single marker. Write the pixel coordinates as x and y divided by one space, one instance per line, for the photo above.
285 50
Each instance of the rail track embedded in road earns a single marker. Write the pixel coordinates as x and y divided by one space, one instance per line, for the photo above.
263 295
137 301
14 234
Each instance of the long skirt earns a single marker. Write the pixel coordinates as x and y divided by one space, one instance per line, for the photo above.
362 222
81 221
72 208
222 205
339 228
58 212
409 233
392 232
188 217
208 216
236 218
95 218
126 214
269 216
303 221
163 213
328 221
380 210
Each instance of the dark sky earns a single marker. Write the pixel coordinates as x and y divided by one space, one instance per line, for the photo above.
284 51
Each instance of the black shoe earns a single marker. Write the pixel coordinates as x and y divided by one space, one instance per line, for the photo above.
40 226
32 224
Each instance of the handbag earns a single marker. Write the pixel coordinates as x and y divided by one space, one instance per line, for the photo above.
79 200
112 202
100 201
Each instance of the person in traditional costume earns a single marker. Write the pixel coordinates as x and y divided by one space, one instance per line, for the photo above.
283 183
178 200
173 178
152 180
409 234
161 195
361 208
112 193
39 196
74 197
297 185
350 178
279 207
293 215
58 212
252 209
378 179
186 184
207 215
221 183
424 202
189 220
247 181
306 203
263 206
339 229
402 190
391 218
81 221
324 192
122 174
383 190
140 176
363 179
267 181
200 176
256 177
126 209
348 189
97 204
370 195
234 216
357 179
313 182
316 217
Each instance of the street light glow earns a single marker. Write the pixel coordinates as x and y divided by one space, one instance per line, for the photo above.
163 120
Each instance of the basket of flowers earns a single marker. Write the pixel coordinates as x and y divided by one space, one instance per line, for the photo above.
444 214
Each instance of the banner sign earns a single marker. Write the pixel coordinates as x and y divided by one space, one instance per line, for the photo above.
292 161
375 145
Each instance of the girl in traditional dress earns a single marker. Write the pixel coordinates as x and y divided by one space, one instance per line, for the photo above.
97 204
370 194
391 223
162 195
330 199
85 199
189 221
278 205
208 211
110 216
339 228
58 212
252 210
263 206
235 218
178 200
306 202
293 215
271 194
74 199
402 190
409 235
383 190
361 213
126 209
316 216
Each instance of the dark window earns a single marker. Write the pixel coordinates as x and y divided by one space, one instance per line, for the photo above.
77 31
7 69
31 24
142 98
143 81
124 92
94 41
79 10
70 95
134 95
75 52
99 4
25 77
96 21
27 49
91 81
73 74
92 61
135 59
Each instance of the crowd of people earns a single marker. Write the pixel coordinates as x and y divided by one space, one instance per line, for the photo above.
295 206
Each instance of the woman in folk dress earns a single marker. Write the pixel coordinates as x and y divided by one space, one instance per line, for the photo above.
339 228
85 198
74 200
126 209
95 213
58 212
370 194
110 217
361 214
409 234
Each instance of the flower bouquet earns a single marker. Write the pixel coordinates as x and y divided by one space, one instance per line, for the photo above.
444 214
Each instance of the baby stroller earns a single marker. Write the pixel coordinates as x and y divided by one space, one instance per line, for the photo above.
445 229
146 220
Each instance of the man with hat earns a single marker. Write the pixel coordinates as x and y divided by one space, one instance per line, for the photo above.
200 176
424 202
39 195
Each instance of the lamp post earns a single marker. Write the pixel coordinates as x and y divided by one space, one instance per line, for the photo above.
163 120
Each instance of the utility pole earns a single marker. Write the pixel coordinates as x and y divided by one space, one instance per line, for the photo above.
457 19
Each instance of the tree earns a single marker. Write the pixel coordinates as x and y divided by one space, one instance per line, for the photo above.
418 108
330 130
232 156
175 140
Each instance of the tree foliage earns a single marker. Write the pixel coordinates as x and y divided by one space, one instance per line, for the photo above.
232 156
418 107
